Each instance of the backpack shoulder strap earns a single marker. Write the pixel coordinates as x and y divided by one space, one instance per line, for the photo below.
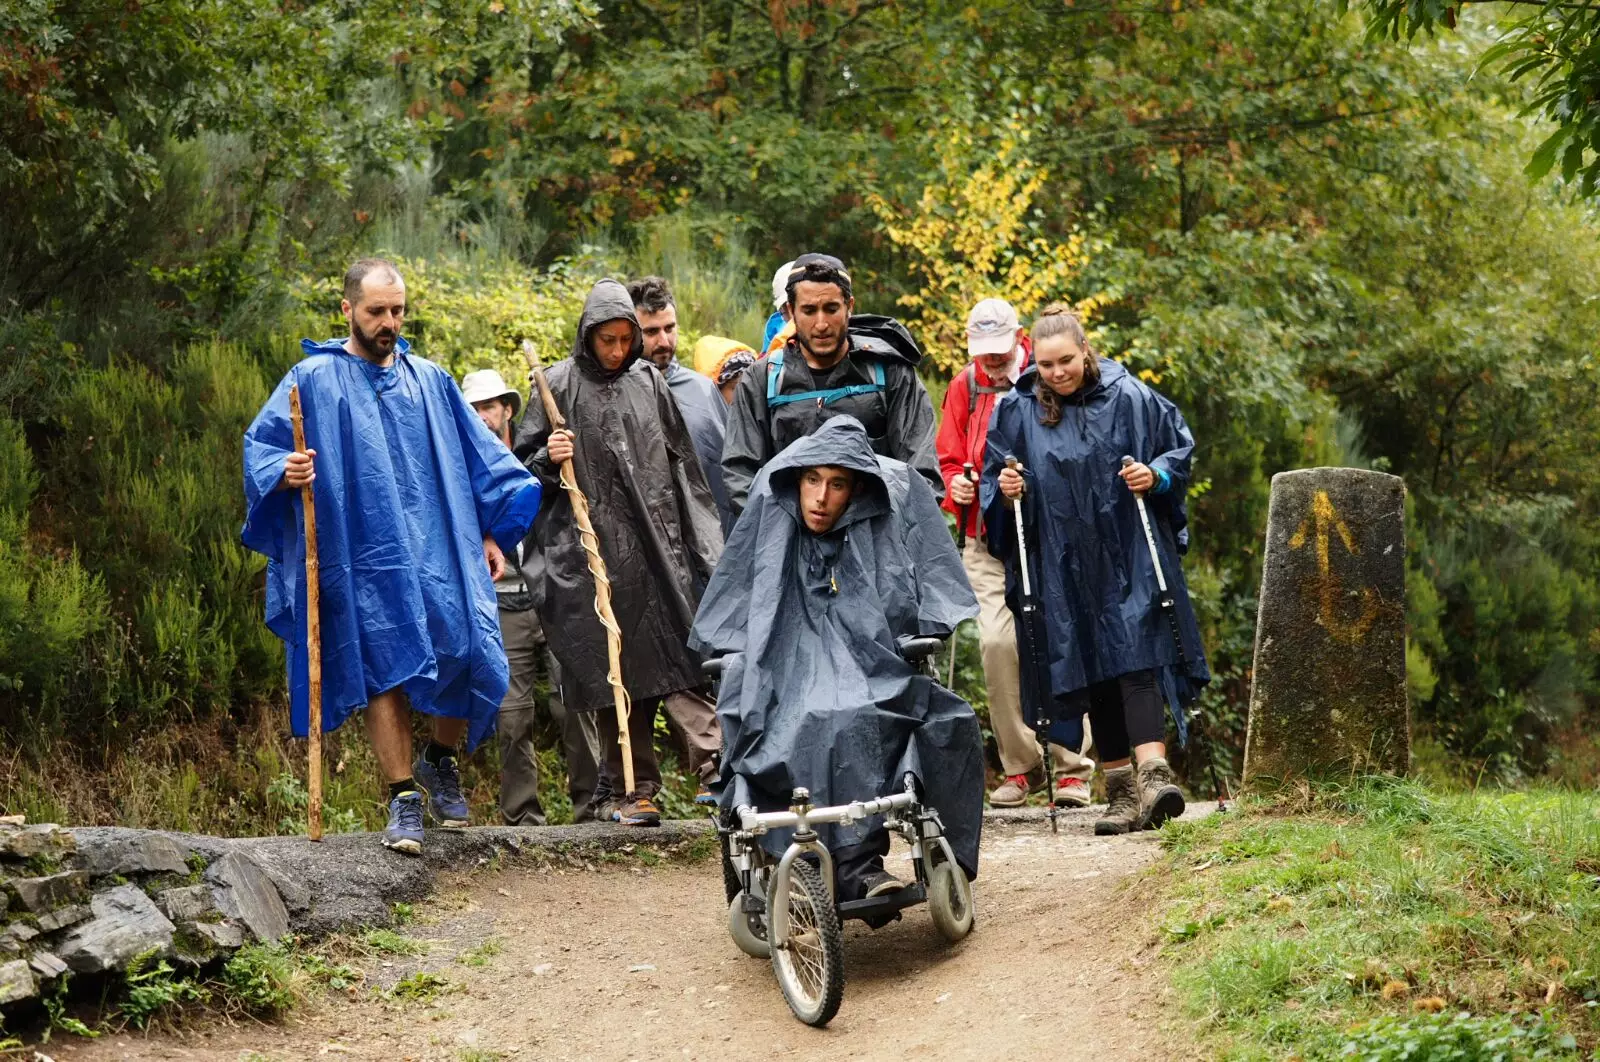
822 398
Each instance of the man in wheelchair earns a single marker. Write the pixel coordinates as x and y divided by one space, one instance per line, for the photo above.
840 559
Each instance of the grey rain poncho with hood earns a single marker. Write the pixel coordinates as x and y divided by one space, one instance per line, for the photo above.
658 527
814 692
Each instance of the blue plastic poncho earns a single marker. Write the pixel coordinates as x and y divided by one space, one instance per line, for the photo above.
814 691
408 482
1087 551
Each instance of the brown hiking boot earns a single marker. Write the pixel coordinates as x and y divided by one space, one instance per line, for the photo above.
1122 803
1157 793
638 811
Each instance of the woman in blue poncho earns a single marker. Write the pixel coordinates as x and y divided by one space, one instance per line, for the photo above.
1069 421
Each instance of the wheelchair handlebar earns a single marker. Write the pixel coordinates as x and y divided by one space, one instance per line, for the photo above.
920 648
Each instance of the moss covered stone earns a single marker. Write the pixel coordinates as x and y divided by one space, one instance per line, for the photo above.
1329 693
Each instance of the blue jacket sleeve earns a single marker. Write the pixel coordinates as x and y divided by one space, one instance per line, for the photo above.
506 494
269 526
1004 440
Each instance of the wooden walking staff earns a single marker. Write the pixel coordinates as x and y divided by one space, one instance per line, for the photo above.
597 567
313 636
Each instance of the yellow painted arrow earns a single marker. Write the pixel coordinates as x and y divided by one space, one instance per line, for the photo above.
1323 516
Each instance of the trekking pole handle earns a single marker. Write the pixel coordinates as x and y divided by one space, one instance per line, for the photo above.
1022 536
1149 537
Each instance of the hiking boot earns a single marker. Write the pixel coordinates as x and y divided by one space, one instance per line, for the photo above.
1070 793
404 832
880 883
443 783
639 811
1122 803
705 797
603 805
1158 794
1013 790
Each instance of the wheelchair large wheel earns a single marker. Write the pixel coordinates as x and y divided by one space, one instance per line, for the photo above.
810 966
749 931
949 896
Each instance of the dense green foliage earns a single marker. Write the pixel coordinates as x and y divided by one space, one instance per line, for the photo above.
1554 45
1387 921
1318 241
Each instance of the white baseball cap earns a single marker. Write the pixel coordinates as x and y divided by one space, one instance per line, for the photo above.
780 286
992 327
485 384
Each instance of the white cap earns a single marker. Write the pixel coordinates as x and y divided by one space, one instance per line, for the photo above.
780 286
992 327
485 384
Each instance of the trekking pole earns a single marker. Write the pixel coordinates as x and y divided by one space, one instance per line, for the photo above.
597 568
1030 623
313 636
961 547
1169 608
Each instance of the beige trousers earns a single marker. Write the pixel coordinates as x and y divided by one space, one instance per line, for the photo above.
1019 749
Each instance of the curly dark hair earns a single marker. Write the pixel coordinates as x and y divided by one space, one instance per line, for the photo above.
1059 319
650 294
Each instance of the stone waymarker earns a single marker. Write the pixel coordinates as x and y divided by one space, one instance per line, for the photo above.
1328 696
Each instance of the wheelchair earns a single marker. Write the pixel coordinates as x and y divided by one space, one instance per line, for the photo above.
785 910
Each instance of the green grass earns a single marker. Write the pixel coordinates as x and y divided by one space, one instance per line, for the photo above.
480 955
1384 915
388 942
420 988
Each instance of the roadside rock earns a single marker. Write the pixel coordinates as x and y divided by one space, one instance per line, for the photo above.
126 924
128 852
42 895
46 965
62 918
245 893
16 982
190 903
27 842
1328 696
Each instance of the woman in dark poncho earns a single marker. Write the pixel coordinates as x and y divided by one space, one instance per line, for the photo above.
1069 421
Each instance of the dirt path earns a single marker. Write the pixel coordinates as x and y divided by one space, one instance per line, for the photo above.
636 964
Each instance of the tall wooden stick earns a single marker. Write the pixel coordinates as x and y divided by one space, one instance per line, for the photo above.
597 567
313 636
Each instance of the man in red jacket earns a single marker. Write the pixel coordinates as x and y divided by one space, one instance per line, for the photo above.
999 354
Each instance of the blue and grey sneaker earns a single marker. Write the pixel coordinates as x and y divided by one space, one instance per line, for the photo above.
404 832
443 783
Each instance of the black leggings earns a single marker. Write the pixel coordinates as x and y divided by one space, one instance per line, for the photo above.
1123 712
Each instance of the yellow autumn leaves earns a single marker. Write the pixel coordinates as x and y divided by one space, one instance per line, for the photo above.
975 233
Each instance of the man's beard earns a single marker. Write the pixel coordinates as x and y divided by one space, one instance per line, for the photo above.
836 354
661 357
367 345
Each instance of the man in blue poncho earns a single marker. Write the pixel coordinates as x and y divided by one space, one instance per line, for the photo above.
416 504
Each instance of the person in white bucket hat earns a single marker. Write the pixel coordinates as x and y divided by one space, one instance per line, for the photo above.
497 406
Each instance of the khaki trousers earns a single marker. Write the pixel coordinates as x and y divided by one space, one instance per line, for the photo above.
1019 749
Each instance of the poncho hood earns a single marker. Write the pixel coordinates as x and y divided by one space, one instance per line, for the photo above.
840 443
608 301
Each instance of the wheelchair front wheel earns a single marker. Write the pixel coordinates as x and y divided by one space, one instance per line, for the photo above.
749 931
949 899
810 965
